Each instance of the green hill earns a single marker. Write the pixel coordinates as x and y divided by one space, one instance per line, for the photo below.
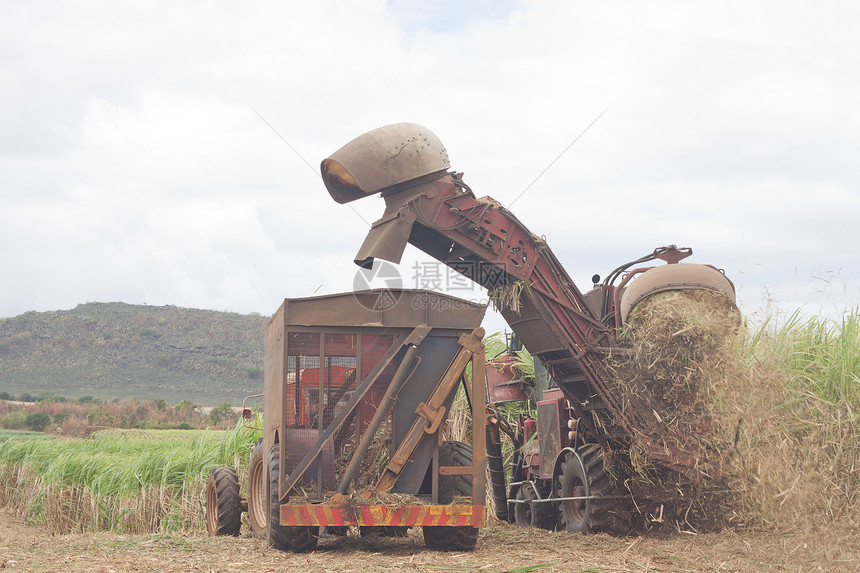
118 350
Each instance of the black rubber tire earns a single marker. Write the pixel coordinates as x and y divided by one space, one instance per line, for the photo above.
541 515
257 491
453 538
296 538
586 478
522 511
223 503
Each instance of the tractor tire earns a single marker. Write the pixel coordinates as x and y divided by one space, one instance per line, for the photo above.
584 476
257 491
296 538
522 511
223 503
460 537
541 515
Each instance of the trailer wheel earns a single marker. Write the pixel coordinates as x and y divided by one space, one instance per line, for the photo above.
223 503
295 538
460 537
257 490
583 476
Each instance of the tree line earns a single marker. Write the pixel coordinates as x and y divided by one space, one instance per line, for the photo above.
77 417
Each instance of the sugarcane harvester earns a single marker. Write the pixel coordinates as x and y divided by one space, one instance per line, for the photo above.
584 419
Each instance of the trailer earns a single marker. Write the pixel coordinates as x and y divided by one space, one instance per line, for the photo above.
357 390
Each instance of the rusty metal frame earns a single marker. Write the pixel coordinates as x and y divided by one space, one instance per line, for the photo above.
432 414
337 512
552 319
348 313
415 337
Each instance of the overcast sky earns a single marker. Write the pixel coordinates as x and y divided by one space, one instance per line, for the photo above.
135 166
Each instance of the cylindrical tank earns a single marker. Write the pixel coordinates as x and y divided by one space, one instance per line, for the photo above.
679 276
529 429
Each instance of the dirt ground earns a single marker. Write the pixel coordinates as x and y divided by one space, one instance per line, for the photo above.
500 548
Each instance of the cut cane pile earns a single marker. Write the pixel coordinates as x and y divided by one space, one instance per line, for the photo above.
783 455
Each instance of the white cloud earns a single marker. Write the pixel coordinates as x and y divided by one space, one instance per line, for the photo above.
134 167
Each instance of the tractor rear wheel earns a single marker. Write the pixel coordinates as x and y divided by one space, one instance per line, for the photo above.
223 503
583 475
257 491
460 537
297 538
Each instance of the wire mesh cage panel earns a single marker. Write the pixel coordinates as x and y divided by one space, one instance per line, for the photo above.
302 384
373 347
323 371
302 408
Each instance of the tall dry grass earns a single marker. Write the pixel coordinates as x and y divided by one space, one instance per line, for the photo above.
773 408
793 403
